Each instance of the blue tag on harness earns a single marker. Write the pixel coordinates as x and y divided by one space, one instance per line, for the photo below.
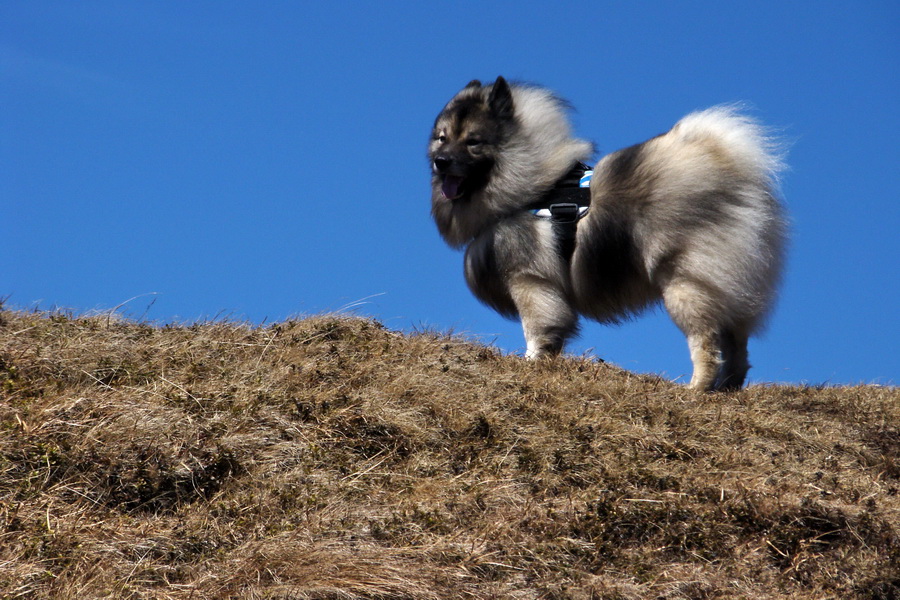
585 179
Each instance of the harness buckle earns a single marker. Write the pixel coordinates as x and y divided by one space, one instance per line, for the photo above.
566 212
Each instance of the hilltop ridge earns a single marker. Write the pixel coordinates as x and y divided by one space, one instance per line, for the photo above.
331 458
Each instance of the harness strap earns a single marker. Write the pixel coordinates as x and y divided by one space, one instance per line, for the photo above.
567 202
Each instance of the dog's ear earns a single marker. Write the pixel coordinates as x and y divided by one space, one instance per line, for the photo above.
501 100
472 84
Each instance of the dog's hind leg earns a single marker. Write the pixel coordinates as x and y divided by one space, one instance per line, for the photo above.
734 355
548 319
691 305
705 356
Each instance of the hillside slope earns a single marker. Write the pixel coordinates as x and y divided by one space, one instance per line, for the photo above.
331 458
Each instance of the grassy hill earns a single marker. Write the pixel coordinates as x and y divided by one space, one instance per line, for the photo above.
330 458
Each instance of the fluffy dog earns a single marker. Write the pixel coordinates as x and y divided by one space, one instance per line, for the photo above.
690 218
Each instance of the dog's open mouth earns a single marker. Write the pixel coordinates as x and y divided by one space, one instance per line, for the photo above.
452 187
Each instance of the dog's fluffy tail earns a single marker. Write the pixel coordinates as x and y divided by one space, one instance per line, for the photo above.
754 148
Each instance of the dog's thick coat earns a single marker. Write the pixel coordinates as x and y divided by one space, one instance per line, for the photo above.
690 217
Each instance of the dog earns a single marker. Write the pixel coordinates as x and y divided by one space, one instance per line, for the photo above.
690 218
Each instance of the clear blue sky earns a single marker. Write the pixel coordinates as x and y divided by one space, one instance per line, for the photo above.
262 160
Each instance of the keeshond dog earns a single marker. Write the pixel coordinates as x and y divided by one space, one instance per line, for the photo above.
690 218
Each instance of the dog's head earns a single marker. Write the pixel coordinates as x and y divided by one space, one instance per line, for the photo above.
467 138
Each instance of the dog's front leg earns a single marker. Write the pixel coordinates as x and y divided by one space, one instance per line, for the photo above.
548 319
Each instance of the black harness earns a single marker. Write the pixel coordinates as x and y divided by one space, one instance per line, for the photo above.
566 203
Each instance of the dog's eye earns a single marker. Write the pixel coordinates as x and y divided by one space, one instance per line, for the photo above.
441 138
472 142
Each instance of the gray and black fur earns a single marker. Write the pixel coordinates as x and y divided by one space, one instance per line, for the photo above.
689 218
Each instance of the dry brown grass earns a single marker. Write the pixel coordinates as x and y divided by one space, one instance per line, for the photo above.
331 458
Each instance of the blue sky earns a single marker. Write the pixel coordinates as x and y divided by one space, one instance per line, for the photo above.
267 160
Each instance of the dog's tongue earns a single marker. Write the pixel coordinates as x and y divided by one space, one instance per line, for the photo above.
450 187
